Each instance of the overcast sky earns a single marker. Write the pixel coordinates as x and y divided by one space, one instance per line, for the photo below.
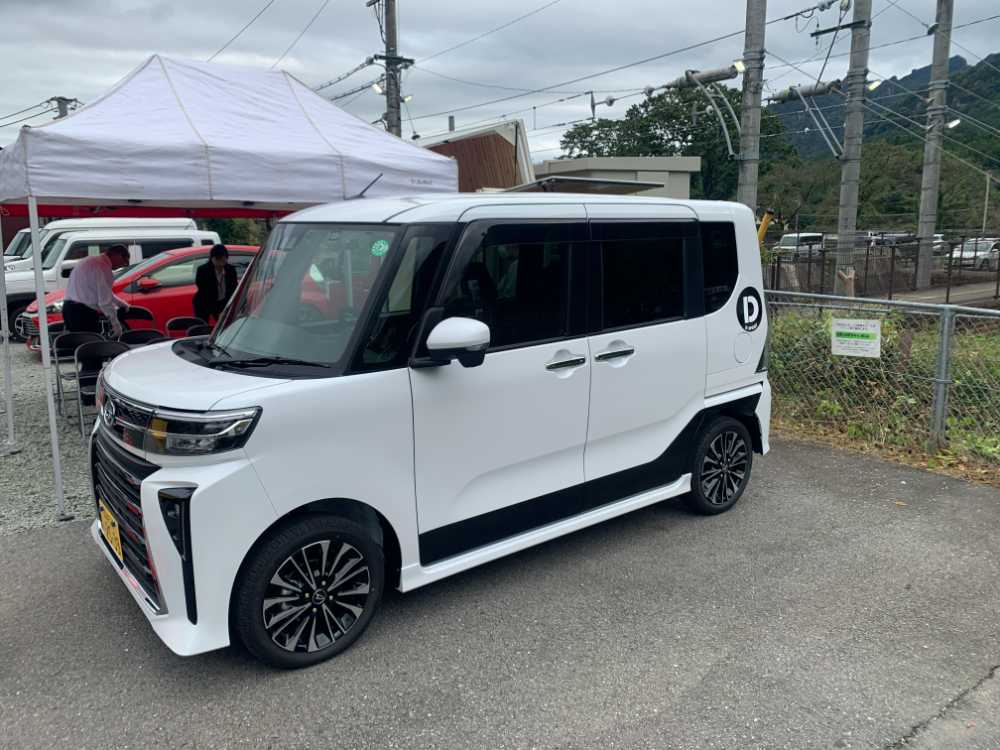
79 48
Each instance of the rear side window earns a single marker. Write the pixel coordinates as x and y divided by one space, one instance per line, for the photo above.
516 281
155 247
642 272
720 262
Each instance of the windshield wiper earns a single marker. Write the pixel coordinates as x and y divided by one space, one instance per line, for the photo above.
262 362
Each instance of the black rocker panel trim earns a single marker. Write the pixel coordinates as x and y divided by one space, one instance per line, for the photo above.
503 523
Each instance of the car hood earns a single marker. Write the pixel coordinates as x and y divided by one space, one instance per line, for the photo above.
51 297
155 375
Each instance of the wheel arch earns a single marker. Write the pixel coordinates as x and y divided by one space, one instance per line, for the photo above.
354 510
744 410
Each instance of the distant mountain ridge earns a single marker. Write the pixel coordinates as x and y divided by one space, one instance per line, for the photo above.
983 104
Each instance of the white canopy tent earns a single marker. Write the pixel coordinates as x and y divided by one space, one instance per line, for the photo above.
192 134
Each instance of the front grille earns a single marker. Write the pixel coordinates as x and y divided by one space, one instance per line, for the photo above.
117 477
127 420
26 326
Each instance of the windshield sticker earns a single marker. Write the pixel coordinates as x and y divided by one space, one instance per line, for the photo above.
380 248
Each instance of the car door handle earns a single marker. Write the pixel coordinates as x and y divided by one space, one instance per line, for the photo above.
615 354
563 364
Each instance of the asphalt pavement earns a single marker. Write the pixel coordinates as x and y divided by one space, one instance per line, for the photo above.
844 603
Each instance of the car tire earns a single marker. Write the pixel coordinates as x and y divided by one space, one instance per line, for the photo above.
13 310
720 466
306 557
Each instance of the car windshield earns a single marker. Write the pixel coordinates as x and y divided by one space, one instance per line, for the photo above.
52 252
302 298
19 246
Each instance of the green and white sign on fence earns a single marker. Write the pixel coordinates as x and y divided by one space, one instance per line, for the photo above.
854 337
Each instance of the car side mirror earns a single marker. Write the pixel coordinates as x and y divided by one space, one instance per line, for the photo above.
464 339
147 284
66 271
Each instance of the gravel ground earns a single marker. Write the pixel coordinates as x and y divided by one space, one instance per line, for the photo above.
27 490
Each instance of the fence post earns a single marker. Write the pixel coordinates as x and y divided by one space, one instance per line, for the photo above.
942 380
892 271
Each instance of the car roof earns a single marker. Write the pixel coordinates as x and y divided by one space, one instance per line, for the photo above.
135 233
451 206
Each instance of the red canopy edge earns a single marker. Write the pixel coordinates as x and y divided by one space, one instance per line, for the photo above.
56 211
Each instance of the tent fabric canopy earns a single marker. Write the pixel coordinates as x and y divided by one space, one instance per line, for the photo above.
182 132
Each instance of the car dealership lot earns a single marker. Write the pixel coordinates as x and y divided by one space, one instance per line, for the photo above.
845 602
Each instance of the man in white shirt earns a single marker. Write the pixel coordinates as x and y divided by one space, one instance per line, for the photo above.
90 295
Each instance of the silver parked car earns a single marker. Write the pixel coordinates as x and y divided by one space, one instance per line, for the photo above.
981 253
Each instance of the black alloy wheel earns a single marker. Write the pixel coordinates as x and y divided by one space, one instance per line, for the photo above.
721 467
309 591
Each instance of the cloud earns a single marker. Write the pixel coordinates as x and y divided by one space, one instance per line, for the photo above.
79 48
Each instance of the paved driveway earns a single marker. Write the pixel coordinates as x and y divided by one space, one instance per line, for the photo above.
845 603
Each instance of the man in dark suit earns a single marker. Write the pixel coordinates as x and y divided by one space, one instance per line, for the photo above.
216 282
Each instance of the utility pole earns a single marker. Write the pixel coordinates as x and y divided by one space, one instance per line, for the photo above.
394 64
854 123
986 201
393 120
931 178
753 59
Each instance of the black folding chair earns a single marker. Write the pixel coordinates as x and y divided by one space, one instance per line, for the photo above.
90 359
55 330
141 336
203 329
137 314
178 327
64 350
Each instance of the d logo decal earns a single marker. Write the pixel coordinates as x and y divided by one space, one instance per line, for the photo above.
749 309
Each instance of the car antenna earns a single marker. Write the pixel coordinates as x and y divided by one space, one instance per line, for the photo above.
362 193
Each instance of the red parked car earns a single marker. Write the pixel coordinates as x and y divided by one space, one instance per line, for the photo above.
163 284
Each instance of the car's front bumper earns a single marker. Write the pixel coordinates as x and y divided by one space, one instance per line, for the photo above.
228 512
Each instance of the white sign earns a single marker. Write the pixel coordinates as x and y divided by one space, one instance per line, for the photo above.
851 337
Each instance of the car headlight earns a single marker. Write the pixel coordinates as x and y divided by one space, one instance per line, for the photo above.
191 434
174 433
55 307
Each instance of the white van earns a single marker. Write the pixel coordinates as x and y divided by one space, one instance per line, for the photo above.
17 256
66 250
402 389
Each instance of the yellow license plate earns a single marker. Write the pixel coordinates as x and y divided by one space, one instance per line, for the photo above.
109 530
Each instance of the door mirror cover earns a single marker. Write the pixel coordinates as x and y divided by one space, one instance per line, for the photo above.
464 339
147 284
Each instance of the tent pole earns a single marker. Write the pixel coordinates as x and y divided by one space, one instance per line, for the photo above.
43 336
10 445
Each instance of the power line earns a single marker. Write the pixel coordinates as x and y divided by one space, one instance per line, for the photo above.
491 31
480 84
302 33
239 33
29 117
22 111
982 59
972 93
923 138
369 61
615 69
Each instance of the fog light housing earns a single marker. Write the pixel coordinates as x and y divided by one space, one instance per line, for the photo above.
175 505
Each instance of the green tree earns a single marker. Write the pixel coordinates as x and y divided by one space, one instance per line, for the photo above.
238 231
678 123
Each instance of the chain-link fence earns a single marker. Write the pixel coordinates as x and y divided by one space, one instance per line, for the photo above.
911 376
